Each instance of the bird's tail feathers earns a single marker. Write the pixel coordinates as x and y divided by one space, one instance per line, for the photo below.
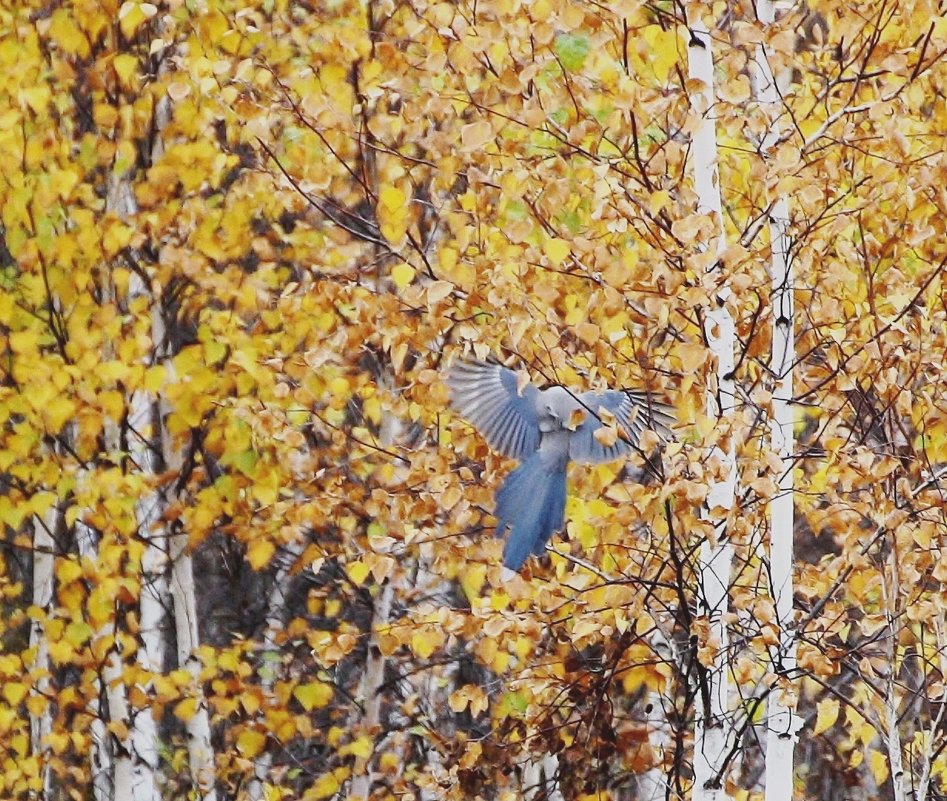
532 501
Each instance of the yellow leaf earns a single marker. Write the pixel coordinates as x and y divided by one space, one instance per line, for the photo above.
339 387
325 786
77 633
392 198
878 763
186 709
472 579
154 378
458 700
692 355
131 16
423 644
58 741
663 47
24 342
36 705
616 274
826 715
101 603
36 97
556 250
125 67
606 435
250 742
68 570
439 290
362 747
68 35
402 274
499 601
589 333
658 201
476 135
14 692
922 536
448 258
358 572
116 238
57 412
41 501
113 404
315 695
259 553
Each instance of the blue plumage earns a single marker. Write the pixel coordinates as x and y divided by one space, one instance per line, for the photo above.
545 429
532 501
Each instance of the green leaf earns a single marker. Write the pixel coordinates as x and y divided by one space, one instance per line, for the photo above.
572 49
245 461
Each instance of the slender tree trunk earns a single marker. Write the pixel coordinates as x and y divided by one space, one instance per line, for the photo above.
369 688
924 779
713 734
201 758
891 719
45 531
148 512
200 749
652 785
434 688
111 758
782 723
540 779
184 597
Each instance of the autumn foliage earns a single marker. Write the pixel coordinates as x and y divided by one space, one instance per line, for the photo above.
247 547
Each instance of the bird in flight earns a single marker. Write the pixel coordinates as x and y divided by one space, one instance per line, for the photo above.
545 429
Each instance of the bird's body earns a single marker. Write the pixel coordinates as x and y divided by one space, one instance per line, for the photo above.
532 501
545 429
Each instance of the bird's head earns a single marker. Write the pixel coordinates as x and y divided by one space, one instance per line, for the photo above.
555 409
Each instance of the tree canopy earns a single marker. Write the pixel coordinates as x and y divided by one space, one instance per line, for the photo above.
247 546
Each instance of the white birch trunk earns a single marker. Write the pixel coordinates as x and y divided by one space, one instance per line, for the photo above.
148 511
111 768
368 691
201 758
44 549
782 722
713 735
434 689
924 780
154 589
901 785
200 751
652 785
540 781
374 675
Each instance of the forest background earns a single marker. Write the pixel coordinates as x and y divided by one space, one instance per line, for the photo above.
247 549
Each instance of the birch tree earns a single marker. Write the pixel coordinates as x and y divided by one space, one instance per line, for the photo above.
782 722
46 529
713 738
239 244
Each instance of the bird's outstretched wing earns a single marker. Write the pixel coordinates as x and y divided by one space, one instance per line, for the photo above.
486 395
634 412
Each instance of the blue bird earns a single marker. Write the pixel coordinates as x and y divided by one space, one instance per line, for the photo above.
545 429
